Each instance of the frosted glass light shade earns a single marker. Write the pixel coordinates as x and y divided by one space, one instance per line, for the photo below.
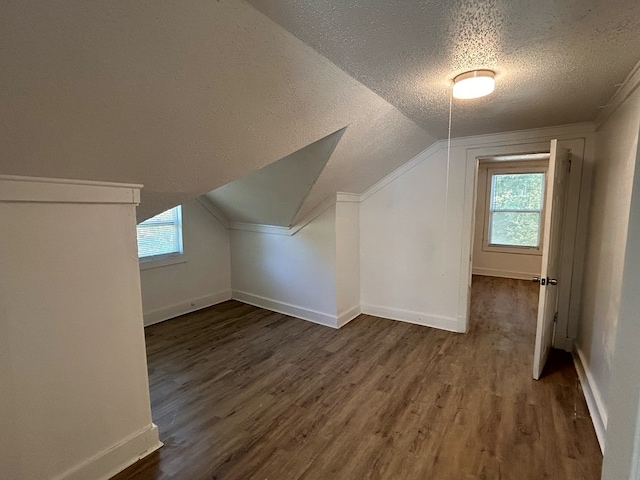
475 84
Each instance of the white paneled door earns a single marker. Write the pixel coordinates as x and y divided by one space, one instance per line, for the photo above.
557 181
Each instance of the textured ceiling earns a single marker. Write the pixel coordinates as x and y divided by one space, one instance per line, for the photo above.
186 97
274 194
181 97
556 61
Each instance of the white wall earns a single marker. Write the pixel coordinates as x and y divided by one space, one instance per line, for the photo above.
416 228
410 244
347 258
622 459
202 276
492 263
617 142
291 274
75 396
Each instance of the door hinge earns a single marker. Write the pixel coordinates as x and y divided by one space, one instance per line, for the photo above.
555 318
570 158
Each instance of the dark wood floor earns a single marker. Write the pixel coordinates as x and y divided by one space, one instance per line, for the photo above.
243 393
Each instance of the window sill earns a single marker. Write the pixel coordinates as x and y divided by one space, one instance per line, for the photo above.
512 250
158 261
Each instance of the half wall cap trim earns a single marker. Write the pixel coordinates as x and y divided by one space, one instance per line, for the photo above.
56 190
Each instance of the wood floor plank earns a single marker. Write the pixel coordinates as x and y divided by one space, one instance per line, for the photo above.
243 393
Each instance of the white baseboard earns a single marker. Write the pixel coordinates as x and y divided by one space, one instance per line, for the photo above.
188 306
348 315
286 308
592 395
116 458
428 320
491 272
463 324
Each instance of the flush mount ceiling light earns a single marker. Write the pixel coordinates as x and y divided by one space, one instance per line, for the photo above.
474 84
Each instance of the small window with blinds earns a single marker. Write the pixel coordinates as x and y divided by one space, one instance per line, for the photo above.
161 236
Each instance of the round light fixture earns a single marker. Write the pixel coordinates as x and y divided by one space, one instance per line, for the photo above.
474 84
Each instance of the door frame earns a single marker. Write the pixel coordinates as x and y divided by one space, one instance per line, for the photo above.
574 231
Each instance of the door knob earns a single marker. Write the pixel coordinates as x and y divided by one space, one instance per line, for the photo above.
541 281
536 279
552 281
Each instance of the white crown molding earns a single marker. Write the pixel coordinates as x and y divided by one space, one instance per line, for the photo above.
623 92
402 169
289 231
529 136
56 190
213 210
261 228
314 213
343 197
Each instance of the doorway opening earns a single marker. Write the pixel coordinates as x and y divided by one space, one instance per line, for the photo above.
517 247
506 250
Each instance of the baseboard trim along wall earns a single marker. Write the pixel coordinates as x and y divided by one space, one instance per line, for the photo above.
592 396
450 324
348 315
166 313
286 308
490 272
116 458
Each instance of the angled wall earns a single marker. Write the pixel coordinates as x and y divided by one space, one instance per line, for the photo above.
182 99
275 193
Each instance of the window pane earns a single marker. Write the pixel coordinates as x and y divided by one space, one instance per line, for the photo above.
161 234
170 216
518 191
515 228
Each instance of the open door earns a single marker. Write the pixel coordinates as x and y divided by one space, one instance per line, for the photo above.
557 181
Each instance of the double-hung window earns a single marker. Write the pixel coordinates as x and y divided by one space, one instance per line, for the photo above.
515 210
160 237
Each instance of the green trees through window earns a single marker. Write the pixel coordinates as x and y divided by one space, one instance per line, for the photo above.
516 209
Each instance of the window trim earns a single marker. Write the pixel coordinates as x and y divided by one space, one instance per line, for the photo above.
166 259
513 249
155 261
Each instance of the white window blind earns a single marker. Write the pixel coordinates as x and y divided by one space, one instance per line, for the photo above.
161 235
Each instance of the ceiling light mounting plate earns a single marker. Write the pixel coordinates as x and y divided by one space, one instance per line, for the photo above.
474 84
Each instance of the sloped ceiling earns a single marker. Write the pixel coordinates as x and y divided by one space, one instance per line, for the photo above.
185 97
556 61
182 97
275 193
